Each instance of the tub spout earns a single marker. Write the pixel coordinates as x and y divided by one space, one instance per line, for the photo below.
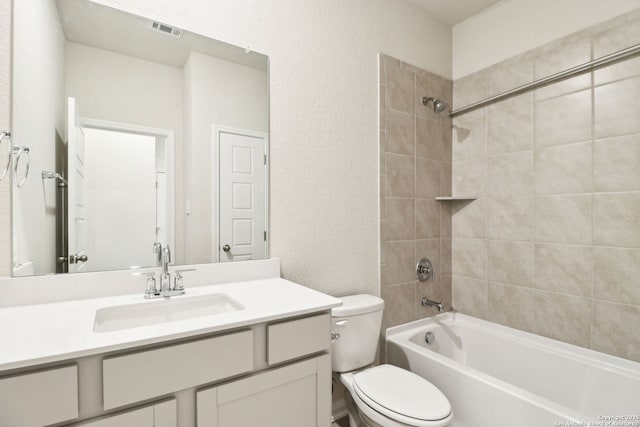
427 302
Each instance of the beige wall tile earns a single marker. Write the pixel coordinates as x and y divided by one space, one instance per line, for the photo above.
427 178
510 175
445 220
563 268
399 304
564 119
400 88
564 219
508 75
416 169
427 219
382 151
381 108
429 139
469 89
383 239
383 207
469 135
612 40
445 256
400 262
611 329
468 219
616 275
564 318
469 257
616 164
446 185
617 107
470 296
438 290
561 58
447 131
510 262
510 125
431 86
400 219
564 169
400 176
469 178
512 306
400 133
621 70
616 219
510 219
429 248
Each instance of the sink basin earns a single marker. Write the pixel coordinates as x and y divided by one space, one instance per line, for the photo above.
162 310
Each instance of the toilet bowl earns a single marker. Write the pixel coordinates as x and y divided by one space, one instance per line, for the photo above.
384 395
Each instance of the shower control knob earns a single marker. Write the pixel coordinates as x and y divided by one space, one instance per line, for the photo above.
424 270
226 248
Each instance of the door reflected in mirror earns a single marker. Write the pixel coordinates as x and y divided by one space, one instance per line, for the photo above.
140 134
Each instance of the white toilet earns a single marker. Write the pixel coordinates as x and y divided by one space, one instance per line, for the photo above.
384 395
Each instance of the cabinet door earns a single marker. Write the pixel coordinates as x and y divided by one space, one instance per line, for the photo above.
159 415
297 395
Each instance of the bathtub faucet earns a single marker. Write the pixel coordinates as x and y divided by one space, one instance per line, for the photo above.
427 302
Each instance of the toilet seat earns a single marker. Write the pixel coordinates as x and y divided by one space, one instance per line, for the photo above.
402 396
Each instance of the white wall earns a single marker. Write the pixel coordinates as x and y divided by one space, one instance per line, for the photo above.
513 27
218 93
324 117
120 199
5 124
38 119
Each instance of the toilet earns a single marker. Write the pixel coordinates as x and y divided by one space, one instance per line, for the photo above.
384 395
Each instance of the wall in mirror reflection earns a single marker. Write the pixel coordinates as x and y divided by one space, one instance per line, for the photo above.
120 72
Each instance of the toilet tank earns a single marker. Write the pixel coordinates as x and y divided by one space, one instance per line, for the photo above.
358 322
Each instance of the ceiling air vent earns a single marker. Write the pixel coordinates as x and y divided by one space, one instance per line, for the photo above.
165 29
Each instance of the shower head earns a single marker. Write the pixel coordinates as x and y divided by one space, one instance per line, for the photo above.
438 105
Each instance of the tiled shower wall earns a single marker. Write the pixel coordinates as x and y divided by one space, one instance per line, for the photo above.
415 156
552 244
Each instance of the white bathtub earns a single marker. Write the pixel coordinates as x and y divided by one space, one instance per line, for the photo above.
496 376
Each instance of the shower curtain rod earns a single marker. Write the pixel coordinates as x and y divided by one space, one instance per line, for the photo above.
562 75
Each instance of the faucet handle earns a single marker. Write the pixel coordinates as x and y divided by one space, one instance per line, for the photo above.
177 280
151 289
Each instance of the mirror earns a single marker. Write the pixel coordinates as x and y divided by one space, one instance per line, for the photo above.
131 134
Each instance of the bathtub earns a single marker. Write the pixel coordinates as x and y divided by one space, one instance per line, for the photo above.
495 376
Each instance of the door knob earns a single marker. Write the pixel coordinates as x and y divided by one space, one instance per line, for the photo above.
73 259
226 248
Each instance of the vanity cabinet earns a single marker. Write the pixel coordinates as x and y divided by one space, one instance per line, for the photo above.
158 415
43 397
273 374
292 396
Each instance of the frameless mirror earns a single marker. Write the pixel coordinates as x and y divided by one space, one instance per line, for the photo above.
140 135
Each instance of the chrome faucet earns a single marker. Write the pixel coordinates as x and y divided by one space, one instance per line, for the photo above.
157 252
165 287
165 277
427 302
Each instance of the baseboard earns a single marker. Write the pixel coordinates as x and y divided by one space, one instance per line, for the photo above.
338 410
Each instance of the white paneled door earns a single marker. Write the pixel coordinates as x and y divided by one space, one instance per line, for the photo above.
242 195
76 216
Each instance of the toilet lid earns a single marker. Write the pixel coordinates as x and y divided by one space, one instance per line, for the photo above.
398 393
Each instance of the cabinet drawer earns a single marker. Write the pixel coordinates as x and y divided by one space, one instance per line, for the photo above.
135 377
159 415
298 338
39 398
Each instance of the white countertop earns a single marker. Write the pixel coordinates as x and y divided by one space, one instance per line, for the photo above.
44 333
